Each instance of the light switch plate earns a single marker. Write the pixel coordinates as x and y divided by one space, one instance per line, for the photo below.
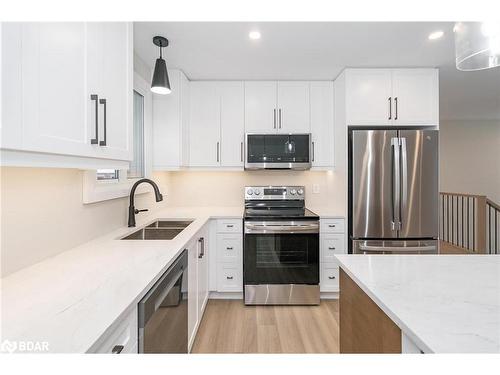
315 188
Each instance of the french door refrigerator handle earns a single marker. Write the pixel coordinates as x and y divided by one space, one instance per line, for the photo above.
404 180
396 184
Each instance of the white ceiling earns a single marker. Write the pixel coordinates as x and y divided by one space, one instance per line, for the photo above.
320 51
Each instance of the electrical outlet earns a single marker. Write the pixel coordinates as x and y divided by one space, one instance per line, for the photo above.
315 188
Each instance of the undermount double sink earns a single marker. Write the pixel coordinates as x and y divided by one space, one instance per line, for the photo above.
159 230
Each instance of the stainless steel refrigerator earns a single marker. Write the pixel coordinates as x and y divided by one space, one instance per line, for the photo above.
393 189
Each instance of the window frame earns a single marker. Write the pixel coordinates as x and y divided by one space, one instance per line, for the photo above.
101 190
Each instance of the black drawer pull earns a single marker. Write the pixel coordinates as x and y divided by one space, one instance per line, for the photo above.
331 277
229 277
229 225
229 248
331 225
331 248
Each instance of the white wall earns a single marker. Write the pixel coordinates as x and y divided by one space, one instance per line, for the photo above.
226 188
42 214
470 157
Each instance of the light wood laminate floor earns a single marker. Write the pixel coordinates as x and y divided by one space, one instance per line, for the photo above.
228 326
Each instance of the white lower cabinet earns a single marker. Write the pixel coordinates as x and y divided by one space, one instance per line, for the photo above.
121 338
192 291
229 263
332 242
329 277
198 252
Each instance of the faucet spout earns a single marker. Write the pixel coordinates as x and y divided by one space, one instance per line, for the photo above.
131 208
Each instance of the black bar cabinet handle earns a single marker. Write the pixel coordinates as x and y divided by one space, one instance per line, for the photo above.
396 103
95 140
103 102
390 108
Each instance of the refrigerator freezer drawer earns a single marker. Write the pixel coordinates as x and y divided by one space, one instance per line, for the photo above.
395 247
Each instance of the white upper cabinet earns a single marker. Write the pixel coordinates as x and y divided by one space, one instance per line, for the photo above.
54 88
368 96
216 124
204 125
73 85
117 86
11 95
232 123
322 130
415 96
293 107
260 107
388 97
171 124
277 107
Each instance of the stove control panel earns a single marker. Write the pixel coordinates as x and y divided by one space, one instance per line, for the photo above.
274 193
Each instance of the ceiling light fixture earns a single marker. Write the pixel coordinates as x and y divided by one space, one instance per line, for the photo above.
436 35
160 83
254 35
477 45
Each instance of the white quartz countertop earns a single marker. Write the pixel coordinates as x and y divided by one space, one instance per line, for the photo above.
444 303
70 300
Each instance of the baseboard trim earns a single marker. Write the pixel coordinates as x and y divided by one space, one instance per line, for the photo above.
226 295
329 295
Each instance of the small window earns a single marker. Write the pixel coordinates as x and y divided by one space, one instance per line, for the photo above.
136 169
108 175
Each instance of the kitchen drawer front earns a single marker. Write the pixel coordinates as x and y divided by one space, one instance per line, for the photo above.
329 278
230 226
229 278
125 334
332 225
331 244
229 248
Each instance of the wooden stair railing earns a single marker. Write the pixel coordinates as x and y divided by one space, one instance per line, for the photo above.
469 222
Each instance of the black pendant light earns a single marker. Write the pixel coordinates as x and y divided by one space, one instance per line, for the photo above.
160 83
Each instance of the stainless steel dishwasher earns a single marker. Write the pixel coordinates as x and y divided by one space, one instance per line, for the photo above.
163 312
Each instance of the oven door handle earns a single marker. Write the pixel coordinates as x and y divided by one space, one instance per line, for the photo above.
277 228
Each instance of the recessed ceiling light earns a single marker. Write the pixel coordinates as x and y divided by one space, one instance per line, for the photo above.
254 35
436 35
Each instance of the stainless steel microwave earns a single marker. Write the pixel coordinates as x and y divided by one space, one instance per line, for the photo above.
278 151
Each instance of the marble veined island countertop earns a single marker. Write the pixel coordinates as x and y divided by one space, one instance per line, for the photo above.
443 303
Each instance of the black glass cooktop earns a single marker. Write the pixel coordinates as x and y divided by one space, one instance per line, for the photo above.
267 213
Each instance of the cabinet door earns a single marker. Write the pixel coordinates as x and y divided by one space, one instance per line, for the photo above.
232 123
11 123
293 107
416 96
116 89
368 97
192 291
169 119
54 88
260 107
322 130
203 250
204 125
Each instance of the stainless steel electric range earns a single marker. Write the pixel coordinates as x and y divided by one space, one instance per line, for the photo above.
281 247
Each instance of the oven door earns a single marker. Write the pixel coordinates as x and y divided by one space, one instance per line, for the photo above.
281 253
